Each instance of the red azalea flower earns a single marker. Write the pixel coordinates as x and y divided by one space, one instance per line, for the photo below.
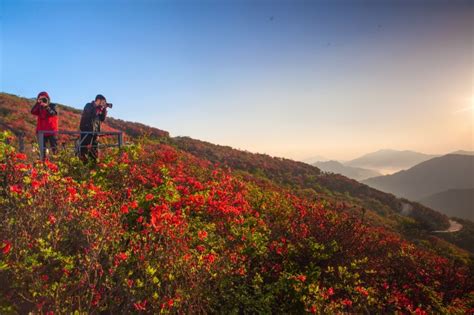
124 209
347 302
52 219
187 257
149 197
7 246
16 189
35 184
53 167
21 156
21 167
362 290
120 257
140 306
154 220
202 235
71 190
420 311
210 258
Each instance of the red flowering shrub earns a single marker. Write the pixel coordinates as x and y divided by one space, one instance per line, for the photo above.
153 229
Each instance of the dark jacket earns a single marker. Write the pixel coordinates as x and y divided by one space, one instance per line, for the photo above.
91 118
47 118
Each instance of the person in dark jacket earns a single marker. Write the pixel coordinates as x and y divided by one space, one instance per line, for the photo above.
93 115
47 120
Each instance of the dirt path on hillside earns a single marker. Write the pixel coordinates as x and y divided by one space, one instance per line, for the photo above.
453 227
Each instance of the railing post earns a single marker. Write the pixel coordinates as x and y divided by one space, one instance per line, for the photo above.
41 144
21 142
120 140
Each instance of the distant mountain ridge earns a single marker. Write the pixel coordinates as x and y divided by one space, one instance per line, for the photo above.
444 183
463 152
452 171
389 160
356 173
315 159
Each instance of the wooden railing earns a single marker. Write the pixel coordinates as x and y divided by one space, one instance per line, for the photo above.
41 134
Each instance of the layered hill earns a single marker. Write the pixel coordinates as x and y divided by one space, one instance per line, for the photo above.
452 171
463 152
389 161
356 173
176 225
454 203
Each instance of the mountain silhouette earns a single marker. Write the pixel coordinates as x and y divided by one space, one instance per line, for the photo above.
389 161
452 171
453 202
444 183
356 173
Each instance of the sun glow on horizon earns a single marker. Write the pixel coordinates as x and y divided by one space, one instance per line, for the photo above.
465 109
470 107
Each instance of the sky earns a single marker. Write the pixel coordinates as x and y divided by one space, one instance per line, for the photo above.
296 79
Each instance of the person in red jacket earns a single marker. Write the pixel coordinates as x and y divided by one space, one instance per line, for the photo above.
47 120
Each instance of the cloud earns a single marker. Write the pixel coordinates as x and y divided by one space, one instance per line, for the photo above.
465 109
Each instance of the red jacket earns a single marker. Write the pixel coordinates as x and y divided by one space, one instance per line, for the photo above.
47 118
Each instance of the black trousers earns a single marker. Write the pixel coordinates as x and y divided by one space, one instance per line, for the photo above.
89 147
53 144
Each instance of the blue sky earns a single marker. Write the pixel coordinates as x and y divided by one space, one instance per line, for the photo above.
288 78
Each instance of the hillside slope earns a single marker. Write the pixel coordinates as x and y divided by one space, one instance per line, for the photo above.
308 181
454 203
305 180
154 229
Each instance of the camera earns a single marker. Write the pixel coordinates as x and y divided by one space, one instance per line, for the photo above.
109 105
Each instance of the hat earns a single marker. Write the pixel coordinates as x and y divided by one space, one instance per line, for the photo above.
43 94
100 97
